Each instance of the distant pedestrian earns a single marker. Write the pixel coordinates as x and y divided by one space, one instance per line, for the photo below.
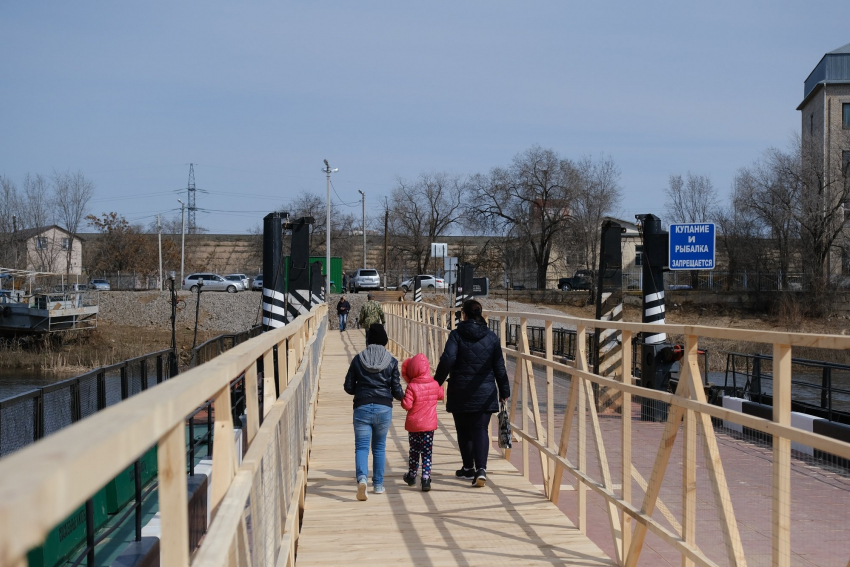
473 363
344 282
371 313
373 380
342 309
420 401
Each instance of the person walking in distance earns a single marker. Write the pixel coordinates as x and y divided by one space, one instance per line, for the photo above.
370 314
373 380
473 364
420 401
342 309
344 282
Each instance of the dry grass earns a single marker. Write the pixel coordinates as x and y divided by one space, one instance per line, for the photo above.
85 350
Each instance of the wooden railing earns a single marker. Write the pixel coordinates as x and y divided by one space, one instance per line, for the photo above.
44 483
634 508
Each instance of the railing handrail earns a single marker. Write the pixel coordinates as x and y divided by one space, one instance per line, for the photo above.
418 327
47 481
815 340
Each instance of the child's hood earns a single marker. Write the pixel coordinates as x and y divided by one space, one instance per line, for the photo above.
416 369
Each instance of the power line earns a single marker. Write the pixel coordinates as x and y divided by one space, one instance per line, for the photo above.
341 202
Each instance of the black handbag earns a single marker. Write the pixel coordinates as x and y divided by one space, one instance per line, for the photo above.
504 426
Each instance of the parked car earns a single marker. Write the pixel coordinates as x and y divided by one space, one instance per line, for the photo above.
365 279
257 284
428 282
241 279
100 285
211 282
582 279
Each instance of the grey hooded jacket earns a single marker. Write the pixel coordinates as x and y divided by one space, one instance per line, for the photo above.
373 377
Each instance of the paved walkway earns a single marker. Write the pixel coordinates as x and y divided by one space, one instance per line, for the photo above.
508 522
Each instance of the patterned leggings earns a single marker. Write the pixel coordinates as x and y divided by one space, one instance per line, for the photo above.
421 443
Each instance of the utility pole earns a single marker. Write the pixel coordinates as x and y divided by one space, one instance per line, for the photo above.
159 238
363 195
328 172
386 227
182 237
191 191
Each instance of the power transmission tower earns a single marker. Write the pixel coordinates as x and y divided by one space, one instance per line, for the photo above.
191 200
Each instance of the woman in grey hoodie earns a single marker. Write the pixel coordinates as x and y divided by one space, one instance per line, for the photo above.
373 380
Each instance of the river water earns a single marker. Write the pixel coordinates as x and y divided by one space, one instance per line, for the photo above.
18 381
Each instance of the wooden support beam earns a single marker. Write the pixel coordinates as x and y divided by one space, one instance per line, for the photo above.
252 400
269 392
173 497
550 399
539 428
224 456
626 441
781 516
563 445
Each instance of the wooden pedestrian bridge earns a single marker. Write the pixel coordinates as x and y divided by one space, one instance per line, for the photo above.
582 486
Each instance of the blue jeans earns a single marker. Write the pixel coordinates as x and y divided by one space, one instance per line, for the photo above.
371 423
343 321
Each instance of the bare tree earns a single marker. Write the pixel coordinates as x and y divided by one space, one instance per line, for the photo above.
692 199
424 209
343 224
597 194
764 191
36 207
529 200
9 212
72 193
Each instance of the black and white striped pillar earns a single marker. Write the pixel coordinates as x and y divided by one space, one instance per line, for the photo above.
317 284
274 280
298 285
417 289
654 261
609 307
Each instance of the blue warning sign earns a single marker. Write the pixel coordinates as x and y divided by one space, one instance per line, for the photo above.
692 246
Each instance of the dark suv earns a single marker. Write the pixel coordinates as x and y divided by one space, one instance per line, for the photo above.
582 279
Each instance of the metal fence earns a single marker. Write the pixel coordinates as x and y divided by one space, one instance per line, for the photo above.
222 343
30 416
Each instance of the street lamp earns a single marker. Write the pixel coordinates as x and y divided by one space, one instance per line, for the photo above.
328 172
363 195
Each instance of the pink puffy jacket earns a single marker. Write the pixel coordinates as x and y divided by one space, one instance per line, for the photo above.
422 395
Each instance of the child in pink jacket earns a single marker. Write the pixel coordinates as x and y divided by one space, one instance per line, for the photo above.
420 401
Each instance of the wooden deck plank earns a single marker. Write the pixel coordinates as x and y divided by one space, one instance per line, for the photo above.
509 522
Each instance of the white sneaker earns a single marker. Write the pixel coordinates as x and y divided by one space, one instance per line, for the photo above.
378 489
361 490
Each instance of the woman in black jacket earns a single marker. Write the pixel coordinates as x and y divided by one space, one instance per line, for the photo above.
373 380
472 360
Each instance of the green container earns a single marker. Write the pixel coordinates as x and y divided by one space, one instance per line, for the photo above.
122 488
68 535
336 271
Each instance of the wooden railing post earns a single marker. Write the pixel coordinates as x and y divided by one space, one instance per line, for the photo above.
581 488
173 498
781 457
224 456
626 442
521 349
252 400
550 397
269 393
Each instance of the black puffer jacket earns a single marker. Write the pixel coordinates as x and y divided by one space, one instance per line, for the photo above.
473 362
373 378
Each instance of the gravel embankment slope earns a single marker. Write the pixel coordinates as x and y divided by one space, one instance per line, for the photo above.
220 312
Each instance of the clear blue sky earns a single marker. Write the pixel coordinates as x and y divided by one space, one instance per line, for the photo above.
258 93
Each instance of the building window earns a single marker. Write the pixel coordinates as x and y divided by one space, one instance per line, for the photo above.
638 255
66 244
41 243
846 114
845 162
812 123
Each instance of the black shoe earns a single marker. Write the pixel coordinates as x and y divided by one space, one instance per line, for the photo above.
426 484
410 479
465 473
480 478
